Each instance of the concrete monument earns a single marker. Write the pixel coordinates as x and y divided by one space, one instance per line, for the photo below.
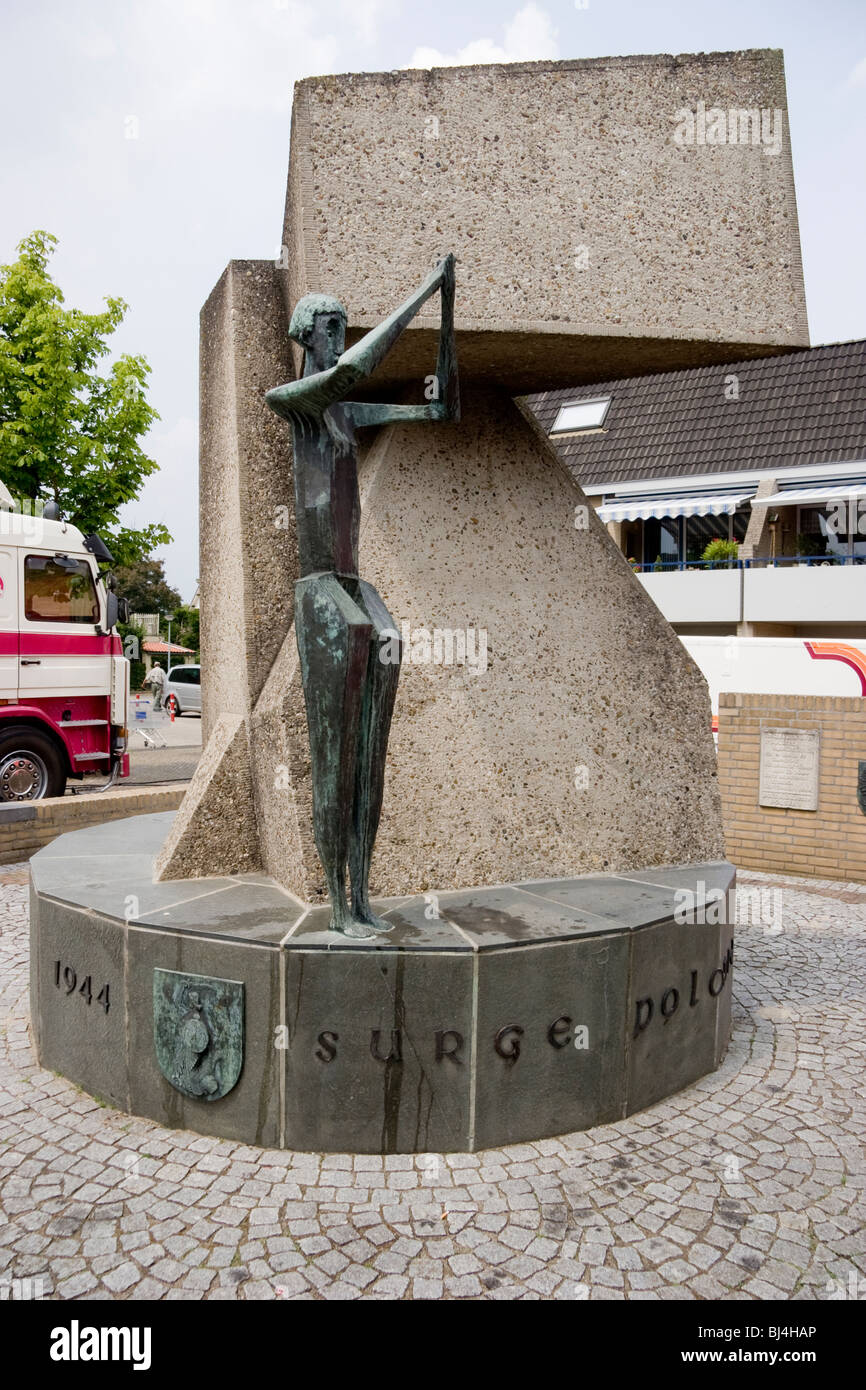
550 832
470 529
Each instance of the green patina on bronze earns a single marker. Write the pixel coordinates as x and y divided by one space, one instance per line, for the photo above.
341 622
198 1030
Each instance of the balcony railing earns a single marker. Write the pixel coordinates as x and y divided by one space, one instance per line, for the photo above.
778 561
788 589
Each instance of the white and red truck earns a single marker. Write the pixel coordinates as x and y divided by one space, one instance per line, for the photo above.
779 666
64 680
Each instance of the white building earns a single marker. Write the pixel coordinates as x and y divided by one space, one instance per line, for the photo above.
768 453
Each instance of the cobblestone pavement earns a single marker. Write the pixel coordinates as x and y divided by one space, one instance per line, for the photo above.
749 1185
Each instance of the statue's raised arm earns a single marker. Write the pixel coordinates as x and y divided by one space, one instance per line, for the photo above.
374 347
313 392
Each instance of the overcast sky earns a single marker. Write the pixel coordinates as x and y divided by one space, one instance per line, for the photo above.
206 87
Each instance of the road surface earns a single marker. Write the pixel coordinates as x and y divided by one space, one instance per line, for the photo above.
159 750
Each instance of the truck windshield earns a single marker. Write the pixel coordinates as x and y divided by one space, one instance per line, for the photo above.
59 593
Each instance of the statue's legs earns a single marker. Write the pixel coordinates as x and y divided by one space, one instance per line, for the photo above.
333 635
380 689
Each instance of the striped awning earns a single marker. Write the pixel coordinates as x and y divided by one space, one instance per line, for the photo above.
815 496
642 508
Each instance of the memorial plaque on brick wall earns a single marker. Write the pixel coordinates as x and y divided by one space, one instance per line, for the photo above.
789 769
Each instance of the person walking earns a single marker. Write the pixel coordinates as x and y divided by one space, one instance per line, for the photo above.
156 677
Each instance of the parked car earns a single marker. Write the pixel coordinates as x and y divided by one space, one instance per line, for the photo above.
184 685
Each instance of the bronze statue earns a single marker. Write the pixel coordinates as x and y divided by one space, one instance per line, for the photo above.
340 620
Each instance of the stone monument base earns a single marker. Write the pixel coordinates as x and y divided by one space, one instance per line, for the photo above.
486 1017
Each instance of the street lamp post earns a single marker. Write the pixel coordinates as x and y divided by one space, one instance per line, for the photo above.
168 618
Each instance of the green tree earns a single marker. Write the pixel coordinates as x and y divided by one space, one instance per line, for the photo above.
68 432
133 639
185 628
144 583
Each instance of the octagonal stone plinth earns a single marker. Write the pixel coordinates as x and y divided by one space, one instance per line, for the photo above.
486 1017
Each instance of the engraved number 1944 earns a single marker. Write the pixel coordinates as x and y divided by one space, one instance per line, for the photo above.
66 979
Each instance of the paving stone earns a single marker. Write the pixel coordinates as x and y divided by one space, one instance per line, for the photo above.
676 1271
427 1288
287 1285
391 1286
466 1286
76 1286
122 1277
523 1266
627 1258
492 1253
148 1289
332 1262
360 1251
380 1235
219 1257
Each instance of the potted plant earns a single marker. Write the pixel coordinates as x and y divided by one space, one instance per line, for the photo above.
809 545
720 552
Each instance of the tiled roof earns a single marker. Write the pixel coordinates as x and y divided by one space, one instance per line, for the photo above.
804 407
155 646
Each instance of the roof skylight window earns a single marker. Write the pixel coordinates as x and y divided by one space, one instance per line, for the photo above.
581 415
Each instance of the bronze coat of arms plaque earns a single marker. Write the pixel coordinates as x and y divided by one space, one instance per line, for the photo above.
198 1030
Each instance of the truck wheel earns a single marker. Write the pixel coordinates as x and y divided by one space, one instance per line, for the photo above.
30 766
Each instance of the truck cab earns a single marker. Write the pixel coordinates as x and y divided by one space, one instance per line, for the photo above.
64 681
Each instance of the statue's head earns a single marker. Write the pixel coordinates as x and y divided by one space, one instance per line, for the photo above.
319 325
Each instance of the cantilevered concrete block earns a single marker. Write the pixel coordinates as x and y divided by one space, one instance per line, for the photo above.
597 233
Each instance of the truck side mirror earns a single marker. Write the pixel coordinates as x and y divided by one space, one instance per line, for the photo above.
112 610
123 609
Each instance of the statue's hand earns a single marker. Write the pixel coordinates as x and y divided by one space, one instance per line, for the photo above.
446 265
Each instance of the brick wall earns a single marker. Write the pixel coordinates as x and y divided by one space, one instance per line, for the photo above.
26 827
827 843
